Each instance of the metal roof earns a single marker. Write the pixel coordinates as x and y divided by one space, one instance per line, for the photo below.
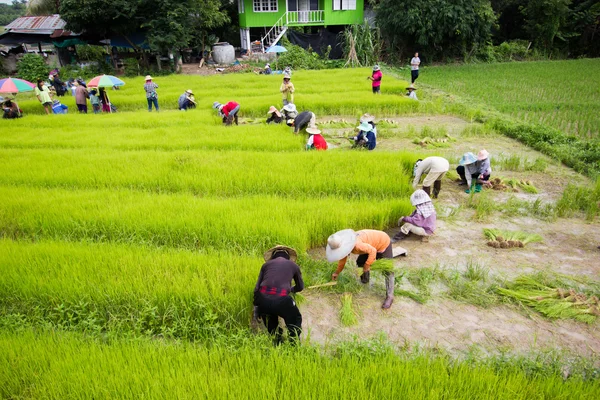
46 24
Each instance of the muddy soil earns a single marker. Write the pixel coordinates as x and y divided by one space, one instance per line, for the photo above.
570 247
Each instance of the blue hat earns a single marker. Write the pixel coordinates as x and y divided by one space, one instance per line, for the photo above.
468 158
365 127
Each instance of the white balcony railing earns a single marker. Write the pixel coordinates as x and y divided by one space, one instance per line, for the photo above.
305 17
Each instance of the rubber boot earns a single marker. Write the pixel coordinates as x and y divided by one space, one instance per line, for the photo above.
389 289
236 119
477 188
398 236
427 189
437 186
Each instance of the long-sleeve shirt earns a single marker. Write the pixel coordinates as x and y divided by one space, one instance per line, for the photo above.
419 220
81 95
278 273
227 108
287 90
414 63
484 166
150 89
368 241
94 99
376 77
303 120
316 142
430 164
481 167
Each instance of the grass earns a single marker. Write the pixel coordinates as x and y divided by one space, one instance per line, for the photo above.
348 316
45 366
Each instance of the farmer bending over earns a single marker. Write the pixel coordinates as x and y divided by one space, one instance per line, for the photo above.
371 245
304 120
435 168
272 293
422 221
186 100
474 171
289 111
229 111
366 137
315 140
274 116
10 109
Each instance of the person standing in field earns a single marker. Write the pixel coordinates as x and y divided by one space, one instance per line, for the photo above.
422 221
95 101
287 90
435 168
43 95
414 67
229 112
306 119
376 79
151 95
315 140
272 293
370 245
81 96
105 101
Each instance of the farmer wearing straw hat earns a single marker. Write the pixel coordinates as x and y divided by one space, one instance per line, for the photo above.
435 168
272 293
370 245
366 137
287 89
412 94
315 140
306 119
376 79
274 116
229 111
422 221
186 100
289 111
151 95
370 119
474 171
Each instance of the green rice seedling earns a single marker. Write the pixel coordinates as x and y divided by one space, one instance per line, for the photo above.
483 204
498 238
577 199
510 163
299 298
418 297
476 272
538 165
383 265
348 316
46 365
471 290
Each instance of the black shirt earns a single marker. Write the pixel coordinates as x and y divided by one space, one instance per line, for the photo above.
279 273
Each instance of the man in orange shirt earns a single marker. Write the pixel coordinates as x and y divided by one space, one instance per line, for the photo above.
370 245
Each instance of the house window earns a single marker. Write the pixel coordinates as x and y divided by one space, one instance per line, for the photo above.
344 4
265 5
241 6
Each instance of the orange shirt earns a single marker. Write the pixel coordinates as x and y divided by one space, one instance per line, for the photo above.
369 242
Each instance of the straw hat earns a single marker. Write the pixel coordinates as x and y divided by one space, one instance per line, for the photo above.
189 91
376 68
291 252
468 158
411 87
148 78
483 154
272 110
419 197
340 244
365 127
367 118
289 107
290 122
216 105
287 76
313 131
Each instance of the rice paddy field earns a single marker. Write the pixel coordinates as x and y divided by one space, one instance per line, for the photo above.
130 245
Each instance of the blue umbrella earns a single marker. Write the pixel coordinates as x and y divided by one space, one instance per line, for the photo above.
276 49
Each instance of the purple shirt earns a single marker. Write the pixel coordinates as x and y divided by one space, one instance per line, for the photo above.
418 220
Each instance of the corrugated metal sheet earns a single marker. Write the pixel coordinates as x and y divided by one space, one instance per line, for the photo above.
46 24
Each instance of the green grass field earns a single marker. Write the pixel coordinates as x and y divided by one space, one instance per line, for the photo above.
560 94
130 244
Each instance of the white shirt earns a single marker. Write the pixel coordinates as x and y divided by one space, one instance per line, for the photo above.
414 63
412 95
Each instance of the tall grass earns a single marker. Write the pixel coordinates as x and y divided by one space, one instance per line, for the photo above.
59 366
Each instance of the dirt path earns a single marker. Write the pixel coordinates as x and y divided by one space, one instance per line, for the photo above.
569 247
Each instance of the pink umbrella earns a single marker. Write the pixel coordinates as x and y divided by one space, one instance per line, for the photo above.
14 85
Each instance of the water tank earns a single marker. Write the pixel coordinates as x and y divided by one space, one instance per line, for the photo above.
223 53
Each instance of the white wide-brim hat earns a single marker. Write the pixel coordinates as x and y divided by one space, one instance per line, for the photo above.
289 107
340 245
313 131
189 91
367 118
291 252
216 105
148 78
483 154
419 197
376 68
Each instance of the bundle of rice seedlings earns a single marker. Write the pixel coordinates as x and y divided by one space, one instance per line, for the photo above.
347 314
383 265
299 298
507 239
523 184
556 303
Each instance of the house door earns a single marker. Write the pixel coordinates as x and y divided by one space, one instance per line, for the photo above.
303 7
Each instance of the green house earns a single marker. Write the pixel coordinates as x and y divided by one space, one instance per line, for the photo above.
268 20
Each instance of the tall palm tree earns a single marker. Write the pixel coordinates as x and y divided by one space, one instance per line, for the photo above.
43 7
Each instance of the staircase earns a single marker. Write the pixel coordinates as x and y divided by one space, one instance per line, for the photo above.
290 18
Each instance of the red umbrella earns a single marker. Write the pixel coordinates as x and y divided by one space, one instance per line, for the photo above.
14 85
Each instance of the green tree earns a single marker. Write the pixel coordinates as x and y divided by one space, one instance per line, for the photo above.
32 67
43 7
437 27
10 12
545 21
